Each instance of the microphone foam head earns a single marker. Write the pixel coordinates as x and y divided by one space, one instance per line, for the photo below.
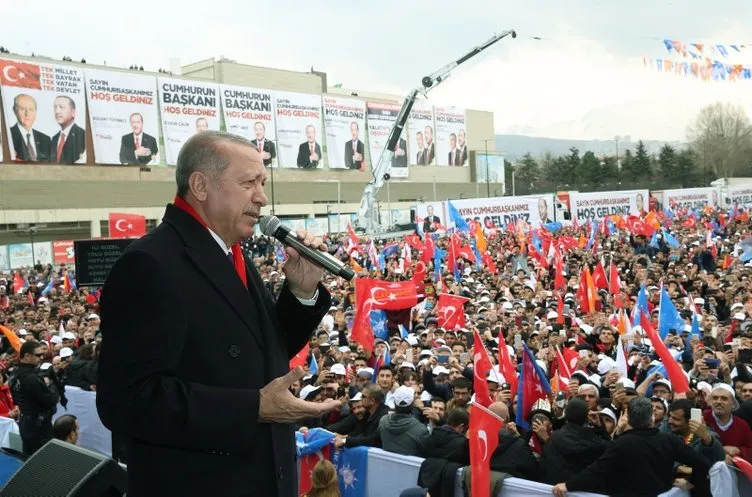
269 225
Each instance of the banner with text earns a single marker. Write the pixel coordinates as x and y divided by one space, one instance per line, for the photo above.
739 196
420 130
690 198
498 212
63 252
344 120
249 112
430 217
41 100
20 255
381 119
187 108
451 140
597 205
299 132
124 117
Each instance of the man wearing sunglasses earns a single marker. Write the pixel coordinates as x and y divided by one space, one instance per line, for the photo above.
34 396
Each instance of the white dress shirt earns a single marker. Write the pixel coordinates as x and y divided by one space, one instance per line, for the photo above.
308 302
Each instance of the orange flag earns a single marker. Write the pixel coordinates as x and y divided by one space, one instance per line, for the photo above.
13 339
582 243
590 289
480 239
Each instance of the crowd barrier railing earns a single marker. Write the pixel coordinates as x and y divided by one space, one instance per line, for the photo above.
388 473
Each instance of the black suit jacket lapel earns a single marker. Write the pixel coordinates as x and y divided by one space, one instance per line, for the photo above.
213 264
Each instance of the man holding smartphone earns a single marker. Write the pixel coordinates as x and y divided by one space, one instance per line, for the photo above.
685 420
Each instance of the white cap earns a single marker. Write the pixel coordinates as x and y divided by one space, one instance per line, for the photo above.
699 301
56 339
740 316
412 340
737 305
92 316
365 372
45 366
344 349
626 382
726 388
495 377
440 370
23 332
664 382
68 335
403 396
426 396
308 390
358 396
552 315
338 369
408 365
605 365
66 352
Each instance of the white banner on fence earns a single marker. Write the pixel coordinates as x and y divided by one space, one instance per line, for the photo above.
249 112
690 198
187 108
420 129
345 120
20 255
430 217
497 212
739 196
299 132
597 205
451 138
124 117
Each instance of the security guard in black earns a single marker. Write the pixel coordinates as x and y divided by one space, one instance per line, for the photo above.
34 396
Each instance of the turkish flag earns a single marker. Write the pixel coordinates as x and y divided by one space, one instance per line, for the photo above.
427 255
481 367
676 375
419 272
559 281
301 358
638 226
362 332
490 264
614 283
414 241
307 463
484 438
599 277
566 363
559 309
464 251
127 225
392 296
451 311
19 74
506 366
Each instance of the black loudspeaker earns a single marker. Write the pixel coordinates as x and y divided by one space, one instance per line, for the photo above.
60 469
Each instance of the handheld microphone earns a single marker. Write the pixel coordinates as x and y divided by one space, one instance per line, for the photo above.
271 226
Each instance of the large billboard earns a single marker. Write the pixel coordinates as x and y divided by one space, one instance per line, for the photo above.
739 196
451 137
249 112
345 123
299 133
420 128
597 205
187 108
381 119
430 217
124 117
45 112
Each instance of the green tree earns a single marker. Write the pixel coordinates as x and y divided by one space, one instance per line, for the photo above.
508 173
721 136
668 165
589 172
610 174
569 167
626 166
527 174
686 168
642 166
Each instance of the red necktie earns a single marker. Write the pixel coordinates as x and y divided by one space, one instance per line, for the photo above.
60 145
310 146
237 252
259 147
138 143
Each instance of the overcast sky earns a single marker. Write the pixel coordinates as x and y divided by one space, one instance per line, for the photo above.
584 79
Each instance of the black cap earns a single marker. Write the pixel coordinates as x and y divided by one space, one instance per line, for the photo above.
576 411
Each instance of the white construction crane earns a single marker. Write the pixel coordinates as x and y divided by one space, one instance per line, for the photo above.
368 213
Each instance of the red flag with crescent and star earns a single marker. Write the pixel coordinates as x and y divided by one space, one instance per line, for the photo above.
484 438
19 74
126 225
481 368
451 311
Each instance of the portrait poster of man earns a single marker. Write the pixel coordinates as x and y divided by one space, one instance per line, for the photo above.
186 108
45 110
451 137
300 131
381 118
345 123
429 217
249 112
124 117
420 124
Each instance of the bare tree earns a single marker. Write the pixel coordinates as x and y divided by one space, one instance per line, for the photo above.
721 135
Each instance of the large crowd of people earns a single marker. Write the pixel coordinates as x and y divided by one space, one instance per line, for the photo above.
612 424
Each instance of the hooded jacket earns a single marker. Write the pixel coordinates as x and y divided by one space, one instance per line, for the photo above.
403 434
